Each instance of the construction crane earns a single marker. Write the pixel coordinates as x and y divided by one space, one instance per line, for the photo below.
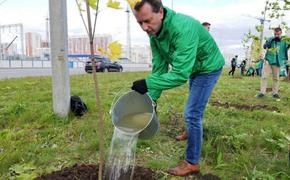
11 43
6 48
19 30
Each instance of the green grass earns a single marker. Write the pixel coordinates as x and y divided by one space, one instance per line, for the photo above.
238 143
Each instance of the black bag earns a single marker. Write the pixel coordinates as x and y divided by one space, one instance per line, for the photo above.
78 107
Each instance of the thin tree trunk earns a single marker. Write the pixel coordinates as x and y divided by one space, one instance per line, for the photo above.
98 101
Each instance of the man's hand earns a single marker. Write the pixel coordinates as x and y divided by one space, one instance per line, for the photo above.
267 45
140 86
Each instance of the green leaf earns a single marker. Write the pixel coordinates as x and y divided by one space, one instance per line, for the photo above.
273 50
26 176
286 39
93 4
132 3
259 28
102 51
80 7
115 50
23 168
18 169
113 4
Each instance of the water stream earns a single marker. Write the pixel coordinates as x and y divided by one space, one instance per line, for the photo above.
121 161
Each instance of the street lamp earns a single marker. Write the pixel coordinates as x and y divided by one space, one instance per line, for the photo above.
128 34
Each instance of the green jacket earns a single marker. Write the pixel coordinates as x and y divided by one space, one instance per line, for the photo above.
186 47
259 64
278 56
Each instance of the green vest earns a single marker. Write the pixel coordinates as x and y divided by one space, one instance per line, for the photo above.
259 64
279 55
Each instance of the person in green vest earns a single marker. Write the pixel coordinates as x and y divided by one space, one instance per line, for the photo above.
276 56
233 65
243 67
182 50
259 66
250 71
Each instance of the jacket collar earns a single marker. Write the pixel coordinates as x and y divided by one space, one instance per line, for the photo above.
166 21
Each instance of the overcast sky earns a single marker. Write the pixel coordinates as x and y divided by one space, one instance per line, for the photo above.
229 19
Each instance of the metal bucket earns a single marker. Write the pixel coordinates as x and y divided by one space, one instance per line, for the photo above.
131 103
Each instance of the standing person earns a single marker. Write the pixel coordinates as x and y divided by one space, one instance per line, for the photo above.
233 65
206 25
182 50
276 56
243 66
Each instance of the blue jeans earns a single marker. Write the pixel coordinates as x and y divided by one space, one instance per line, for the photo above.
200 88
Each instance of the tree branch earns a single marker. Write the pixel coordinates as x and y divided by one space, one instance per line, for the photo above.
82 16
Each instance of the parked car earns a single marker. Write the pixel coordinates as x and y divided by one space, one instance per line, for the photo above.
103 65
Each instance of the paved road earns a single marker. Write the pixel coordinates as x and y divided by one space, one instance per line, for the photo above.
18 73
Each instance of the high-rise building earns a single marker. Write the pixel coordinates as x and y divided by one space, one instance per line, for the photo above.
81 44
33 42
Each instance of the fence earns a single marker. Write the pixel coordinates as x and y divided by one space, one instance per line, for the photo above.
72 63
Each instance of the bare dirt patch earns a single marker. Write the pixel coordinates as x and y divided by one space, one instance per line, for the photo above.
251 107
90 172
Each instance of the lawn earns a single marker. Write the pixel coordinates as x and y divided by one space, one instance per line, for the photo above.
244 137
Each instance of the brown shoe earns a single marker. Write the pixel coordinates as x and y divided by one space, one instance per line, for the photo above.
184 169
182 137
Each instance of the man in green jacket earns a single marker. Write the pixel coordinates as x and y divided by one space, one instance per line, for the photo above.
182 50
276 56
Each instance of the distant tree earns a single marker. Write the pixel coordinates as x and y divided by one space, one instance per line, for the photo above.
274 10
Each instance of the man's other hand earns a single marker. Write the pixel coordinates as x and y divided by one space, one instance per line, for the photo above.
140 86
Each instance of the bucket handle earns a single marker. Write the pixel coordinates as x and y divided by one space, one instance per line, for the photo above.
125 91
154 104
117 96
